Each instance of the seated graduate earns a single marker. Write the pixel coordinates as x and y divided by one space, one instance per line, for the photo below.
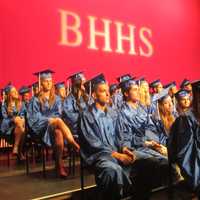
13 122
186 85
117 98
99 147
184 142
61 90
144 96
44 119
76 102
35 89
24 91
113 89
166 118
156 86
134 122
183 101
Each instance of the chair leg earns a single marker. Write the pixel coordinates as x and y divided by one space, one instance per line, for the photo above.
74 164
82 179
70 160
43 163
8 158
27 162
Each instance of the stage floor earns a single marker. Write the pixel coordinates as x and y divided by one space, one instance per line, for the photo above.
15 184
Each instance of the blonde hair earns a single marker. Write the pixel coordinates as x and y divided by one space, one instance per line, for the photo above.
52 96
17 103
144 95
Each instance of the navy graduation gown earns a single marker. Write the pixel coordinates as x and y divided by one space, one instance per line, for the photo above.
184 147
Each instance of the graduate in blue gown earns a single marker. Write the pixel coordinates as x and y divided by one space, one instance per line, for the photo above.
99 147
186 85
76 102
117 98
133 123
144 96
44 118
61 93
183 101
184 142
13 122
164 119
24 91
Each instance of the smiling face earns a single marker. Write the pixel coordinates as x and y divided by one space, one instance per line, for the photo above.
167 105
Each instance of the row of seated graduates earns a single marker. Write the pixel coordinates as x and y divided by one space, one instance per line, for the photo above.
82 88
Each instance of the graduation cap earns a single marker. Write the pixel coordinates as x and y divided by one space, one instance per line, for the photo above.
161 95
113 87
77 76
92 83
184 83
154 83
8 88
140 80
170 85
182 93
35 85
23 90
45 74
126 84
124 77
60 85
196 86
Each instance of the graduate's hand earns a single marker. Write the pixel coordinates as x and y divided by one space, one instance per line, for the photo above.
148 143
128 152
52 121
161 149
123 158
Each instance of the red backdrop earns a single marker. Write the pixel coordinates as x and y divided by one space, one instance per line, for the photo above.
30 32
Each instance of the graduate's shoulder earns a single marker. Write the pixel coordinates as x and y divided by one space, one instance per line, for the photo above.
87 114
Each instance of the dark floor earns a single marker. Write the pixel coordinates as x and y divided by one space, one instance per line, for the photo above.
15 184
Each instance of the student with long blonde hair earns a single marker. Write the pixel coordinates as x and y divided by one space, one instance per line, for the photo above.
44 118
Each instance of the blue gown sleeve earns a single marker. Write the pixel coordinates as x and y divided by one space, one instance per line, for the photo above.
35 118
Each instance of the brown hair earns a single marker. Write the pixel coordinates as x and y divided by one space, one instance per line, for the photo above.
167 118
76 88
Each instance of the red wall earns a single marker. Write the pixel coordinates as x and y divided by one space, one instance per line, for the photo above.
30 32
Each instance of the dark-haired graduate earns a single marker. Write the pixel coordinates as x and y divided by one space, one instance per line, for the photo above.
13 122
99 147
132 125
75 102
44 118
183 100
184 142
